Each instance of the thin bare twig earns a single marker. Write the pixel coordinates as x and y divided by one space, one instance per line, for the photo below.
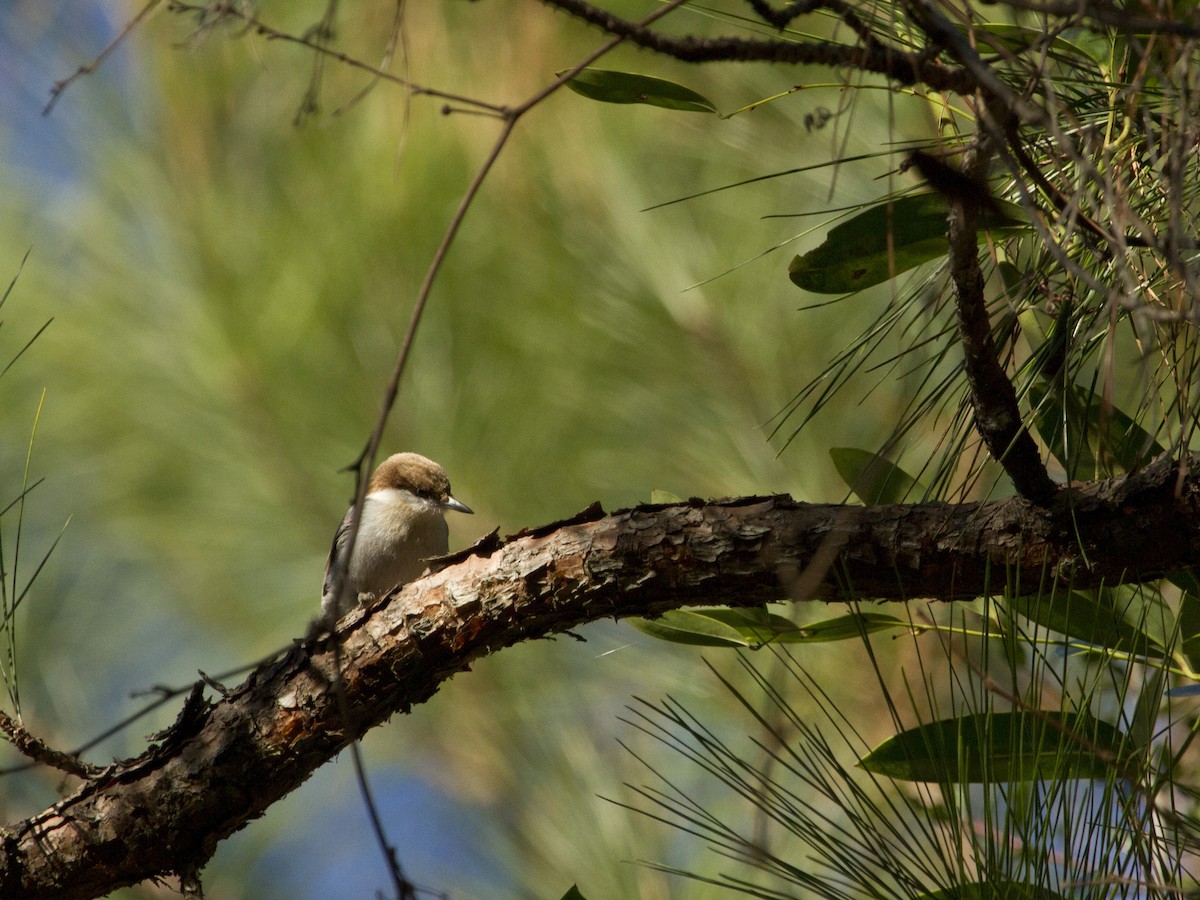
163 695
395 39
275 34
60 86
405 890
320 36
40 752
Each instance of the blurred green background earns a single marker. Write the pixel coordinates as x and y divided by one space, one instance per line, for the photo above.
228 292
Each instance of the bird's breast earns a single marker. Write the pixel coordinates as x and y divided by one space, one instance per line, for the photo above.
398 532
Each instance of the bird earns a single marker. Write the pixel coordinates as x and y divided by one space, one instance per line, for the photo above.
403 524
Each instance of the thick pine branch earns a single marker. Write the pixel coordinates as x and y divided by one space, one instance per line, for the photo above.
223 764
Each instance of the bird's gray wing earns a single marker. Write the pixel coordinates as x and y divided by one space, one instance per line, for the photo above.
336 553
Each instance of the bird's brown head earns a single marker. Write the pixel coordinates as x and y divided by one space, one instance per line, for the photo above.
419 475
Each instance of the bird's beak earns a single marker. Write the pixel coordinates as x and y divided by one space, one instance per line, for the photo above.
457 506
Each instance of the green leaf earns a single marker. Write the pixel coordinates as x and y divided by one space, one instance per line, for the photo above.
720 626
573 894
1062 424
1011 277
1086 441
1189 615
762 627
1144 607
1186 581
993 890
1019 38
999 747
681 626
858 253
657 496
873 479
843 628
1132 446
1145 720
751 628
625 87
755 624
1091 619
754 627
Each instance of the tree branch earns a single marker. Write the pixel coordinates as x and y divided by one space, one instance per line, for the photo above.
222 765
901 66
997 414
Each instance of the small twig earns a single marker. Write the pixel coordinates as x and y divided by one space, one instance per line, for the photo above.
848 15
274 34
60 86
40 752
389 51
405 890
163 694
320 36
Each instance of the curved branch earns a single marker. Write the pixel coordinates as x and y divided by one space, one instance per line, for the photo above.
997 413
223 764
902 67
